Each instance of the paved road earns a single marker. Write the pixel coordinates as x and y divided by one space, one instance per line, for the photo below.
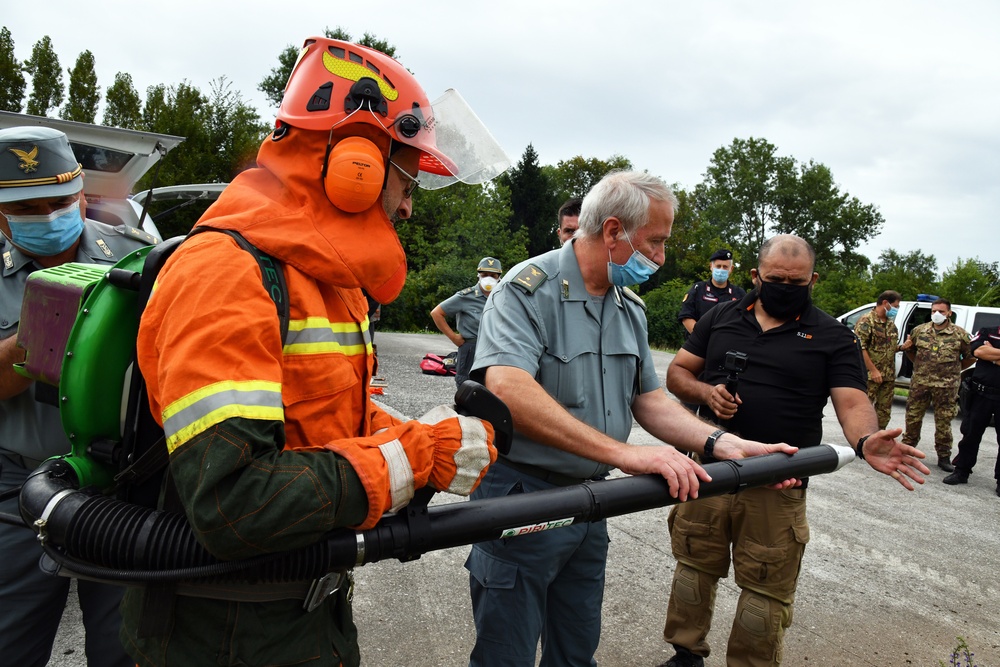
890 577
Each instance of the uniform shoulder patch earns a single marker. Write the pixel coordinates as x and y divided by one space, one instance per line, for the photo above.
632 296
139 234
530 278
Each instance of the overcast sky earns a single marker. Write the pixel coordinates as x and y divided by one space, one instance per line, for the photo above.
900 99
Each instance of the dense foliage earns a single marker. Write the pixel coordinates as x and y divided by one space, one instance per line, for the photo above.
748 194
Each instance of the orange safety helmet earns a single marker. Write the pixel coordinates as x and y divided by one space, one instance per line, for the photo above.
334 83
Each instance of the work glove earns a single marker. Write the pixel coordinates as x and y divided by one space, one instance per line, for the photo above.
443 450
459 469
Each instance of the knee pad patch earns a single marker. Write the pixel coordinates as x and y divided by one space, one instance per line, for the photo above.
687 585
754 614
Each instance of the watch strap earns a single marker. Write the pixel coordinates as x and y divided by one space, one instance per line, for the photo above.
710 443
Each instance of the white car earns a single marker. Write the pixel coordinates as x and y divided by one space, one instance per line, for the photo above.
113 161
913 313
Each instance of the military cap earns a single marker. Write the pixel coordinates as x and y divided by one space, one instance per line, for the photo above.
489 265
721 254
36 163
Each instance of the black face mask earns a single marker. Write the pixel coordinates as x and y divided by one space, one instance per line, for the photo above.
783 301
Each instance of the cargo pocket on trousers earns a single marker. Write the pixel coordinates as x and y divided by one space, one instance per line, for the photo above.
774 569
689 538
496 594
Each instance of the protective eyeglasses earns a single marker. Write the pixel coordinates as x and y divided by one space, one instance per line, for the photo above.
411 185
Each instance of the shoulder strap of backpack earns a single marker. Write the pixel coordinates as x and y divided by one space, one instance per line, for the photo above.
271 274
154 458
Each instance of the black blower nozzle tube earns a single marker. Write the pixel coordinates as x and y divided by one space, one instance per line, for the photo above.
126 542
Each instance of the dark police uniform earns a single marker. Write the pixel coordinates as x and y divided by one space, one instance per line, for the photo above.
704 295
984 404
32 601
790 372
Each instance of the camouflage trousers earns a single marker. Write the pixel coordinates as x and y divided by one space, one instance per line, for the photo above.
945 401
880 394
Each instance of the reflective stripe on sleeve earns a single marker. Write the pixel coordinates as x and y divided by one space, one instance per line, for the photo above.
317 335
200 410
400 474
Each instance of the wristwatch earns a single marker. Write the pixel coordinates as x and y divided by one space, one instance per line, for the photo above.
710 443
859 449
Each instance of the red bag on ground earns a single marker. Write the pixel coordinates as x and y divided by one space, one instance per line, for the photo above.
435 364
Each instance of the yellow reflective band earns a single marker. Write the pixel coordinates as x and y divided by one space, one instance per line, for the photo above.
317 335
202 409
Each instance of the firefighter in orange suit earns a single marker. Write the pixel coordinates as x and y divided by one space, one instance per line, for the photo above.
275 442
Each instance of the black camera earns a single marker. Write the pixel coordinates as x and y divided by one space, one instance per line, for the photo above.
736 363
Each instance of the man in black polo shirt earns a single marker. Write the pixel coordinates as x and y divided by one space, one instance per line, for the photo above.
984 404
797 358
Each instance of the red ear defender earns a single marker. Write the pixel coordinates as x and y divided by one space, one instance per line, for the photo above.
355 174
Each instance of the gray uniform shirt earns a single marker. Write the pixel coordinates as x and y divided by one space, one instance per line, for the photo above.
466 306
29 428
591 355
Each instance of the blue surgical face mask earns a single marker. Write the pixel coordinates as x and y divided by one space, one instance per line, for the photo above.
635 271
720 275
47 235
891 313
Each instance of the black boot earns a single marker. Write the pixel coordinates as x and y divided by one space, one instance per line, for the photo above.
945 464
958 477
684 658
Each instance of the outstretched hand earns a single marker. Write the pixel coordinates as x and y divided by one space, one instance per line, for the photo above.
891 457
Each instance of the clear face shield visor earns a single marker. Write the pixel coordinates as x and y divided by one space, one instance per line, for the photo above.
455 144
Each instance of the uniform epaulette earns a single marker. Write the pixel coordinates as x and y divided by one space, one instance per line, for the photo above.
634 297
132 232
530 278
467 290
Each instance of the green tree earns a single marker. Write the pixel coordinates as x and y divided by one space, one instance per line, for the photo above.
46 78
84 93
663 305
971 282
11 77
180 110
222 135
842 287
910 274
533 202
124 106
751 193
235 130
576 176
743 191
273 85
450 231
813 207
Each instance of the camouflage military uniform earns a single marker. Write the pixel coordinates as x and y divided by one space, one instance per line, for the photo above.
937 370
880 339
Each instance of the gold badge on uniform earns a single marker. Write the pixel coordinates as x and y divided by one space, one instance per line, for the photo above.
27 163
105 249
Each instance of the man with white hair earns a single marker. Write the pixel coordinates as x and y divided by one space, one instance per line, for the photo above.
563 343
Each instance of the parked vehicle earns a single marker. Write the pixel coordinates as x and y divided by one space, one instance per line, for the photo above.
113 161
914 313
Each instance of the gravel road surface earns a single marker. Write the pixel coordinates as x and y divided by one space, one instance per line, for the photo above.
890 578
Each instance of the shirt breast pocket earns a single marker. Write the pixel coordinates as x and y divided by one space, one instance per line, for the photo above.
565 369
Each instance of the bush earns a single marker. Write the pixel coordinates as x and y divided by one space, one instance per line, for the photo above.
662 307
